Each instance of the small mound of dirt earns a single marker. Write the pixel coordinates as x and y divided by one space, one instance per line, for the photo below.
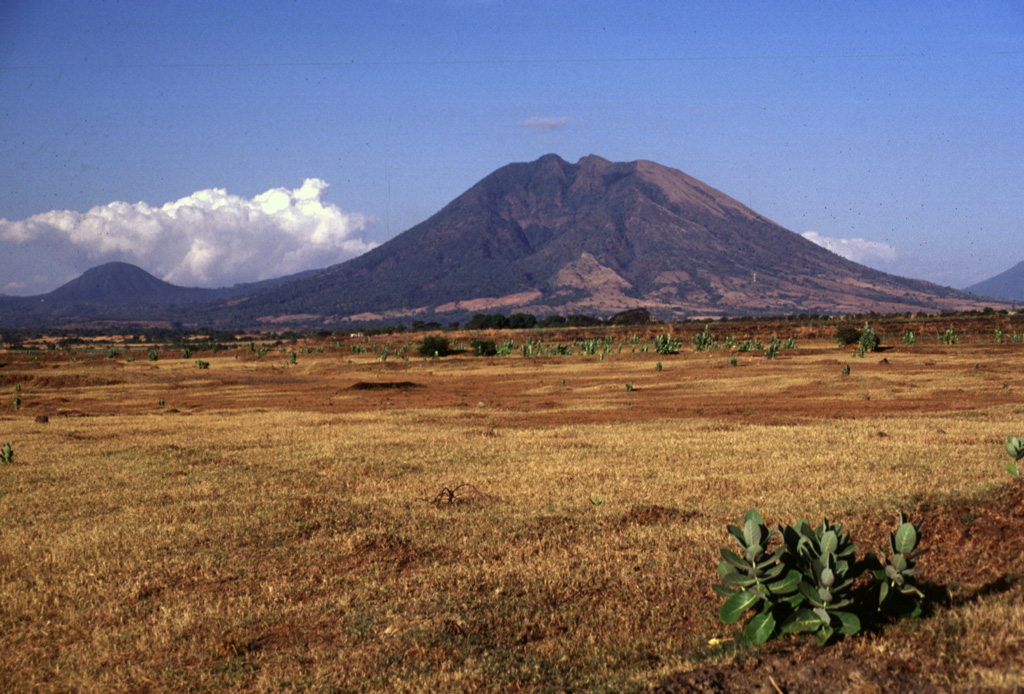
385 385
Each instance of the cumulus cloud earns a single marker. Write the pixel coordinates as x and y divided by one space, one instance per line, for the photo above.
209 238
545 124
856 249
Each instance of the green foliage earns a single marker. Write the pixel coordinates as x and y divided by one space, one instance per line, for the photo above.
755 580
17 402
434 346
483 348
896 573
667 344
908 337
629 387
705 340
294 359
847 335
949 337
186 353
733 362
869 340
846 370
657 367
7 454
773 348
200 364
749 345
153 354
824 556
806 585
1015 449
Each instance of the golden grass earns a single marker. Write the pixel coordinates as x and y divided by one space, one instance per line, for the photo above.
271 528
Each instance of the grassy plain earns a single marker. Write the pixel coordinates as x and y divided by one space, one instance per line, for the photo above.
482 523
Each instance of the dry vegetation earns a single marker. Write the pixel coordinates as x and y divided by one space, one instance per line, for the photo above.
490 523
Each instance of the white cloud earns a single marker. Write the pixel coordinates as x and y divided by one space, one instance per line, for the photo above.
209 238
544 124
856 249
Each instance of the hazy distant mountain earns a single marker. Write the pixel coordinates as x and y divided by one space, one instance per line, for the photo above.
593 237
1005 285
119 291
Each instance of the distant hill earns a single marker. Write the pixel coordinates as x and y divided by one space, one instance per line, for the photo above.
119 291
594 237
1005 285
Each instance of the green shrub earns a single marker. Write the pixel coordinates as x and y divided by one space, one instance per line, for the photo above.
7 454
949 337
667 344
186 353
1015 449
773 348
705 340
657 367
908 337
847 335
733 362
846 370
17 402
484 348
200 364
806 584
434 346
898 592
868 341
153 354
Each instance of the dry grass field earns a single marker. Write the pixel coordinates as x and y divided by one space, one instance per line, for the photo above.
506 523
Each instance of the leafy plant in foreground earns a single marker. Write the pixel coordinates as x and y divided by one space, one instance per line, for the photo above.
898 592
1015 449
825 558
807 584
755 580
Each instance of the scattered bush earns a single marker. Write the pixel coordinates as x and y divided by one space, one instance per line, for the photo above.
949 337
869 340
7 454
153 355
186 353
200 364
705 340
847 335
484 348
667 344
434 346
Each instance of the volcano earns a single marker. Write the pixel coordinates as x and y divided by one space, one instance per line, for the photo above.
595 237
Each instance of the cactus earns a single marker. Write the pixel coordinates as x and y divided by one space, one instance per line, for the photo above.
7 454
755 580
898 570
1015 449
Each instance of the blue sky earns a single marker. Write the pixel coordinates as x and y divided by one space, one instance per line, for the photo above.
214 143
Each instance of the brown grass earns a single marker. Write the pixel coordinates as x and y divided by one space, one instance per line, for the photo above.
273 527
